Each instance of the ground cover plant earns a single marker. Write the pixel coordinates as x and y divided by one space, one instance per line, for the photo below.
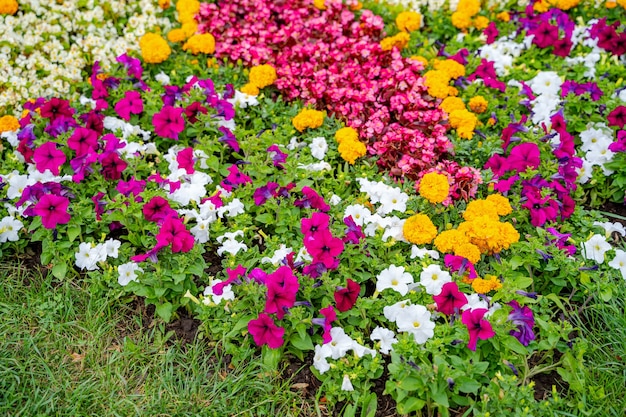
386 193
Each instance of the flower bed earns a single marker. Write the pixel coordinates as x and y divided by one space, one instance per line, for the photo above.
447 271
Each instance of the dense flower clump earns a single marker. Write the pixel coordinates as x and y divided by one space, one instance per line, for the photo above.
345 69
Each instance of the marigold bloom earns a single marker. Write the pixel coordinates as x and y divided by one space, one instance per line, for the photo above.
308 118
461 20
419 229
346 133
164 4
176 35
203 43
468 251
8 7
400 41
262 75
567 4
9 124
187 10
447 240
437 83
480 22
464 122
504 16
409 21
450 104
503 207
190 28
154 49
350 150
434 187
478 104
250 89
478 208
319 4
483 286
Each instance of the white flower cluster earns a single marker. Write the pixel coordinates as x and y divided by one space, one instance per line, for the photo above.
48 45
595 143
337 348
547 87
89 255
597 246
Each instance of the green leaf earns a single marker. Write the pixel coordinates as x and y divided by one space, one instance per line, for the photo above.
59 270
370 403
410 384
73 232
271 357
467 385
265 218
440 395
165 311
410 405
511 343
304 344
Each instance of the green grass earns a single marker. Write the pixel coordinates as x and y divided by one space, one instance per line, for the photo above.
603 328
66 353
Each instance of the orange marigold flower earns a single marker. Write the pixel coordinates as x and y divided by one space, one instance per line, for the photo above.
400 41
503 207
479 208
262 75
350 150
483 286
447 240
308 119
9 124
419 229
154 49
478 104
204 43
504 16
468 251
481 22
176 35
434 187
8 7
346 133
409 21
461 20
450 104
250 89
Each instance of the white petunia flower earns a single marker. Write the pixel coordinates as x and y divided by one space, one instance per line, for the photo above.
417 252
111 248
340 343
127 273
346 385
393 200
595 248
392 312
360 214
201 230
619 262
585 172
319 147
334 200
433 279
394 277
416 320
227 293
386 338
9 229
322 353
278 256
88 256
609 228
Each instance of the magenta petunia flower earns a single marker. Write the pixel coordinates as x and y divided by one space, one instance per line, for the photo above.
477 326
545 34
265 192
47 156
82 141
169 122
229 138
174 232
53 210
316 224
523 156
324 247
186 160
130 104
491 32
56 107
112 166
233 276
311 200
354 233
450 300
235 178
265 332
329 316
157 209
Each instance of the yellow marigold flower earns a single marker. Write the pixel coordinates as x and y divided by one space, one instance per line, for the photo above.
504 16
190 28
164 4
450 104
452 68
622 3
508 236
8 7
350 150
308 118
409 21
478 104
610 4
9 124
437 83
465 132
400 41
480 22
479 208
567 4
204 43
434 187
419 229
154 49
262 75
468 251
319 4
176 35
503 207
541 6
346 133
462 119
250 89
483 286
187 10
447 240
470 7
461 20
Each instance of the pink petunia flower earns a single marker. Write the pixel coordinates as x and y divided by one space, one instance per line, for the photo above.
169 122
265 332
53 210
47 156
477 326
130 104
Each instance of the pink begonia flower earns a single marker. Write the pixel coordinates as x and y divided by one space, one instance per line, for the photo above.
53 210
169 122
47 156
477 327
130 104
265 332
